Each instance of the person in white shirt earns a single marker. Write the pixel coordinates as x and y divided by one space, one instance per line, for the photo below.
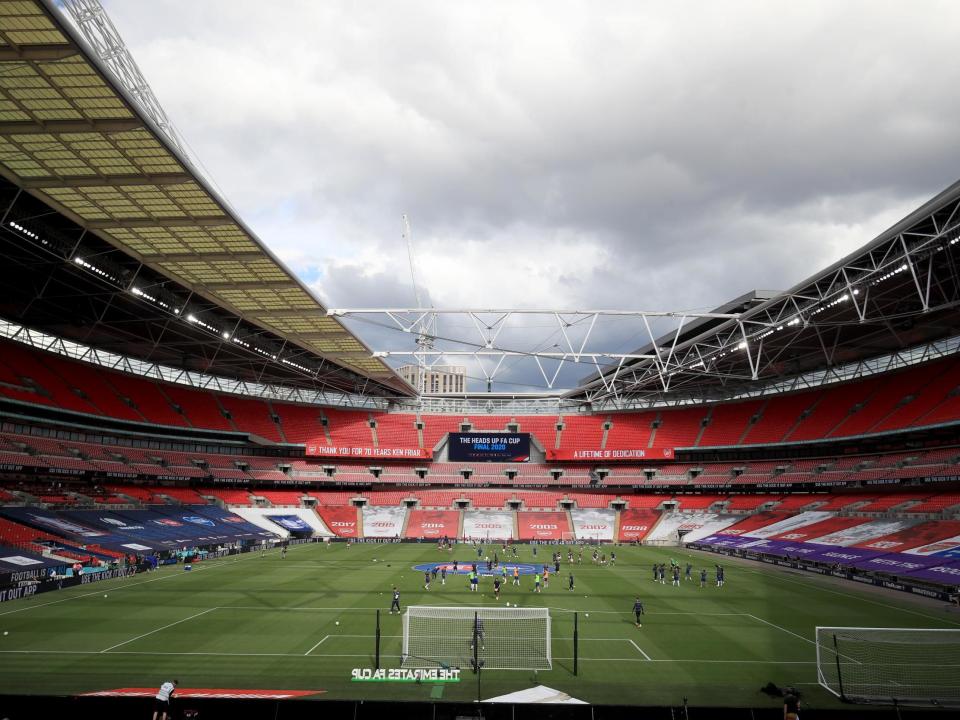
161 705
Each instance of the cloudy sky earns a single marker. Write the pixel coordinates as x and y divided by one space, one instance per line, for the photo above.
559 154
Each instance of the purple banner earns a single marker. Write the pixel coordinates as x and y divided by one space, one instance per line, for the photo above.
948 574
899 563
808 551
842 555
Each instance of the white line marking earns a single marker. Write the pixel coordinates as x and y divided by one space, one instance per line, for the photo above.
638 649
783 629
164 627
398 657
812 583
630 612
267 608
861 598
213 565
316 646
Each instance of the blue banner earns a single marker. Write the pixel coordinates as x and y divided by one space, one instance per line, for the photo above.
489 447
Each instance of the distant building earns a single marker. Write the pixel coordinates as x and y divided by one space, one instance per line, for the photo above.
438 379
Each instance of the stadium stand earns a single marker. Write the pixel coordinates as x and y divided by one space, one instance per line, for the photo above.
395 430
435 427
635 524
231 497
349 428
185 496
300 423
631 430
31 370
253 416
580 433
543 427
200 407
919 396
728 423
678 428
97 390
694 502
146 397
778 416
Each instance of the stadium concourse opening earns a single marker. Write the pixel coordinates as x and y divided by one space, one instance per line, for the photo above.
206 476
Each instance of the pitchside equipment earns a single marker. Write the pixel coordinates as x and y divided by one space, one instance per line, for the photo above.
903 666
510 638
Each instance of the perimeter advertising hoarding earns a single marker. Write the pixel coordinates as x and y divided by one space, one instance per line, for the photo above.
612 455
316 448
489 447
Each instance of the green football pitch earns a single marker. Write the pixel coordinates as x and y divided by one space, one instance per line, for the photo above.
304 622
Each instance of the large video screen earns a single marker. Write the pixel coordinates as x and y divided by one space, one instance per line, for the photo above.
489 447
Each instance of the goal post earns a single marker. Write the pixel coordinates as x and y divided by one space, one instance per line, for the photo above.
903 666
508 638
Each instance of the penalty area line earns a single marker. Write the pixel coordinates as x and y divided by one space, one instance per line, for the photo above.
316 646
638 649
782 629
163 627
812 583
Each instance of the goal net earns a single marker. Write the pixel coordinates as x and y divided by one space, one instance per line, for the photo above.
906 666
508 638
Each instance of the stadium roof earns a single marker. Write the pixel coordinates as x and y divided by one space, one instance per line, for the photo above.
90 149
111 237
899 291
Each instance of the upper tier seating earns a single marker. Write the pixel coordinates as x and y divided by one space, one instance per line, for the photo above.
582 432
396 431
913 397
631 430
349 428
200 406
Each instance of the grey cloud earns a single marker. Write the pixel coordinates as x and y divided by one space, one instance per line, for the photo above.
698 151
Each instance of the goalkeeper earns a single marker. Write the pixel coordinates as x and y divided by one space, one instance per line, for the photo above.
479 634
